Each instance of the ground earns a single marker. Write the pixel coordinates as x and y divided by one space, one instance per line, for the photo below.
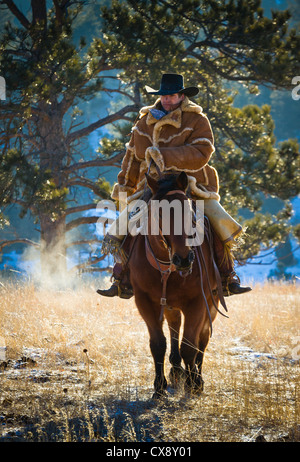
75 366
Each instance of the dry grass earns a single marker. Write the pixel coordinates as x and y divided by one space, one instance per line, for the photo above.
77 367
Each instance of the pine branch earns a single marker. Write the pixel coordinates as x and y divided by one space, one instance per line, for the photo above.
112 162
58 11
86 183
101 122
17 241
81 221
39 12
96 269
17 13
83 242
91 261
80 208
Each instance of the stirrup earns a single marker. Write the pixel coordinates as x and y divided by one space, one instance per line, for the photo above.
125 292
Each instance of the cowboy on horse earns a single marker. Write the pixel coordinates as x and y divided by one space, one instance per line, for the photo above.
171 136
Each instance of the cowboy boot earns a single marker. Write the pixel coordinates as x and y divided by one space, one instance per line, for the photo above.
231 283
121 286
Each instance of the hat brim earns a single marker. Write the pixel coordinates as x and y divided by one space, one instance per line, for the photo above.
189 91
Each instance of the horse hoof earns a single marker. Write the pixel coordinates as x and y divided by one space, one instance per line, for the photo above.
177 374
195 387
159 395
193 392
199 387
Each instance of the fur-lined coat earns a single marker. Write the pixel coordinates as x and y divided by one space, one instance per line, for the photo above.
182 140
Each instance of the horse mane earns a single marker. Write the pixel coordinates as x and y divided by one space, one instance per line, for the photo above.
166 184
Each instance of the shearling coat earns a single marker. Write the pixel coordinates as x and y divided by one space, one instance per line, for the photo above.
182 140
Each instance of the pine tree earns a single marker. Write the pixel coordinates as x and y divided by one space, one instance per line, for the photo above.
222 46
53 73
49 71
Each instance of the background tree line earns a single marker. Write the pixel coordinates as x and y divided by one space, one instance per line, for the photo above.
75 73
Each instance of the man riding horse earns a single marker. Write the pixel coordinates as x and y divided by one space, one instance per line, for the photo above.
175 135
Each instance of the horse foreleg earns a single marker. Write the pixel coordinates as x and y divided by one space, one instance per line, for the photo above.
158 346
203 342
173 317
158 343
189 350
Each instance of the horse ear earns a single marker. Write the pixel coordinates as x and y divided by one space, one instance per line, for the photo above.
182 181
152 183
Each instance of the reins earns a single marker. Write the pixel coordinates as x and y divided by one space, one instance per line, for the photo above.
167 267
164 267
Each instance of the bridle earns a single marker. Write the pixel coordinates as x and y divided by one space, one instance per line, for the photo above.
164 267
167 267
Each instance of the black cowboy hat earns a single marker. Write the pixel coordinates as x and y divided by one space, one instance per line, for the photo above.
171 84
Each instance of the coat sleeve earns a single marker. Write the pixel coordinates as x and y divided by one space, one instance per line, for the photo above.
194 154
129 173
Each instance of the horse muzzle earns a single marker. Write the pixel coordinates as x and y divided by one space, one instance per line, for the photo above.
184 265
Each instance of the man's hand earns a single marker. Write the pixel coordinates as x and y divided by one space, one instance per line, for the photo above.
154 153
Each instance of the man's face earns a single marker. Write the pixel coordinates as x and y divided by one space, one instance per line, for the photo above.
171 102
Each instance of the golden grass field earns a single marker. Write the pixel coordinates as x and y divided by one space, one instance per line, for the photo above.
77 367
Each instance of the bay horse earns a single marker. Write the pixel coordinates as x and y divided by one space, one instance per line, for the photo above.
171 279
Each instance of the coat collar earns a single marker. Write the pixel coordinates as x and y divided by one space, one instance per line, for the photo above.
173 117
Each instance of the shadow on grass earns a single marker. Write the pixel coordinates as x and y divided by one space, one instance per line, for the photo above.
112 420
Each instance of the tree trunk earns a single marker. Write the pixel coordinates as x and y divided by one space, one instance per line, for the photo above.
53 251
53 230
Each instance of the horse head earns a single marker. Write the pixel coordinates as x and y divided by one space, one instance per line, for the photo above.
169 197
